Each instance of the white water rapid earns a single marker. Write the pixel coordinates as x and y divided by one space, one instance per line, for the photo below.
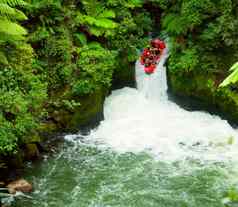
143 119
147 152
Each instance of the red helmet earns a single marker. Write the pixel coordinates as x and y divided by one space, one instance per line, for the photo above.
158 44
146 53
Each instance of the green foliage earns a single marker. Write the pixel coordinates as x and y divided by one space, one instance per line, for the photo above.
75 56
98 19
58 40
21 96
204 31
94 69
8 18
10 30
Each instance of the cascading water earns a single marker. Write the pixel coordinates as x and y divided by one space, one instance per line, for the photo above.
148 152
144 119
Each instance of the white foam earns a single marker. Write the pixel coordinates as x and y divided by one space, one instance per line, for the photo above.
144 119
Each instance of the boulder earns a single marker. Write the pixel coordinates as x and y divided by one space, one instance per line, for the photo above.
2 184
31 151
19 185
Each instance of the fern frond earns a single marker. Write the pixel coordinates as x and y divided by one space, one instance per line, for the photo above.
96 31
6 10
11 13
81 38
8 37
19 15
3 58
107 14
174 24
13 3
11 28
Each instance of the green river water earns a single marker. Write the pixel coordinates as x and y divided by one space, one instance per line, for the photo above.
84 176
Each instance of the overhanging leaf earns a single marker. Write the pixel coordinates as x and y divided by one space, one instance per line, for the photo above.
20 15
11 28
232 78
234 67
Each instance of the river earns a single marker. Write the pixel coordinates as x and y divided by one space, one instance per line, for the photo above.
147 152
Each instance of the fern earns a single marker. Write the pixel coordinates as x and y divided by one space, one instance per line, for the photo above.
98 19
6 10
174 24
11 28
81 38
13 3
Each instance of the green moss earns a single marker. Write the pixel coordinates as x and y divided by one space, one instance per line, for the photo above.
227 101
203 88
124 74
90 106
48 127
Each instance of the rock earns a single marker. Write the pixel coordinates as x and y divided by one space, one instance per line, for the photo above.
31 151
19 185
2 184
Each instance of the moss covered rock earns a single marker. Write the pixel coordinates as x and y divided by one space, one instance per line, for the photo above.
124 74
204 87
89 111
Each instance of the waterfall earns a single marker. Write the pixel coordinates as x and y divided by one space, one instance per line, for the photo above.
154 87
143 119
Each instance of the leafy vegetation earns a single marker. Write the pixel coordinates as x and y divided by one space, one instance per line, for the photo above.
202 34
10 30
233 77
71 50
